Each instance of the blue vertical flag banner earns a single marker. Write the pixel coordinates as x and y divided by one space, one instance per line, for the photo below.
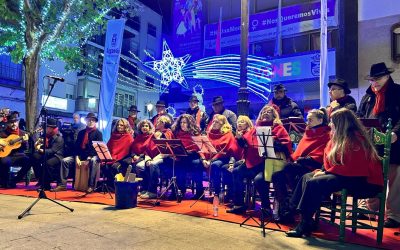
112 52
323 72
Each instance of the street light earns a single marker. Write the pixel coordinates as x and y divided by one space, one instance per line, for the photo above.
149 107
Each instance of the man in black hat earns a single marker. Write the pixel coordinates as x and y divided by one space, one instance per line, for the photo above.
161 110
287 107
195 111
53 147
219 108
85 149
339 94
16 157
382 101
133 117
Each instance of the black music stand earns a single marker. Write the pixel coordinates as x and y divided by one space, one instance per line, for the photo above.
105 157
206 147
42 194
265 141
173 148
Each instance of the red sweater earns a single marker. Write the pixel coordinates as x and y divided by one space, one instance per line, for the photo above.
143 144
225 144
119 145
356 163
313 143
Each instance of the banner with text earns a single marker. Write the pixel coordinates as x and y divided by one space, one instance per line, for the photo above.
188 28
112 52
262 26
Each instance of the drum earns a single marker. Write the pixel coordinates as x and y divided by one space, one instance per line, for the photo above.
82 176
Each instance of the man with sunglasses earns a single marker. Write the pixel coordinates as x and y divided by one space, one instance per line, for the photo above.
382 101
287 107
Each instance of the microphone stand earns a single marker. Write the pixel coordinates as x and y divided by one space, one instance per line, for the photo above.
41 193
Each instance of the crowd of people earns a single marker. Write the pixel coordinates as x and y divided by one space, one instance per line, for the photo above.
335 151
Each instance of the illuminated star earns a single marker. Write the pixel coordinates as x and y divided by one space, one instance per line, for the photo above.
170 68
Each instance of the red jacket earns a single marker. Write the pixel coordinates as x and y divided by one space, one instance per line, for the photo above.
225 144
143 144
188 142
119 145
250 154
313 143
355 163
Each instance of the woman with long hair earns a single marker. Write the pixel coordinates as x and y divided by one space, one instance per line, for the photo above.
119 144
255 165
221 137
350 161
143 150
307 157
184 129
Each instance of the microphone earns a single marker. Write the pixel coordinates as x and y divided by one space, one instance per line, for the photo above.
56 78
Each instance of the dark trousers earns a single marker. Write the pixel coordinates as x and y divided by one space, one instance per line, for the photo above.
21 160
287 179
217 170
50 173
257 175
189 164
311 191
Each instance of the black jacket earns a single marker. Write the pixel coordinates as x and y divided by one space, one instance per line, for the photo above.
203 117
288 108
347 102
56 147
392 110
83 154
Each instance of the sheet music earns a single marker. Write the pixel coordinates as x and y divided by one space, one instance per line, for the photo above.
264 137
102 150
204 144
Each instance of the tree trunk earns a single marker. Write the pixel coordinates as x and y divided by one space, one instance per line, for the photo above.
31 89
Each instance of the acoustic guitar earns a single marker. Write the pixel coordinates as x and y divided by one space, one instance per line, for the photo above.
13 142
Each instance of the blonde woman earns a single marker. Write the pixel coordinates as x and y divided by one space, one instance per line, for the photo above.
350 161
221 137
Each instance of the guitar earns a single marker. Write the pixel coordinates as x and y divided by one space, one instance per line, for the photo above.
13 142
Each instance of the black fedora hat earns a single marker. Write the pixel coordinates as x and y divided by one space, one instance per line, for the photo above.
279 86
378 70
133 108
341 83
12 118
160 103
193 98
52 123
217 100
91 116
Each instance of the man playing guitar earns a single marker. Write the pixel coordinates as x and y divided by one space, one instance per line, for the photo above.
16 157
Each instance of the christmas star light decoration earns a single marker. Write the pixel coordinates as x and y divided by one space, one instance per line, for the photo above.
169 68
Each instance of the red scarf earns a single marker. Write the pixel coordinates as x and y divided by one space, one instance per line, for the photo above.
167 133
12 132
119 145
143 144
49 135
225 144
379 106
251 155
187 141
313 143
86 136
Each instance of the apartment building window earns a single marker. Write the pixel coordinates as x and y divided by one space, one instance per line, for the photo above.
295 44
69 96
149 82
133 22
151 30
122 102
